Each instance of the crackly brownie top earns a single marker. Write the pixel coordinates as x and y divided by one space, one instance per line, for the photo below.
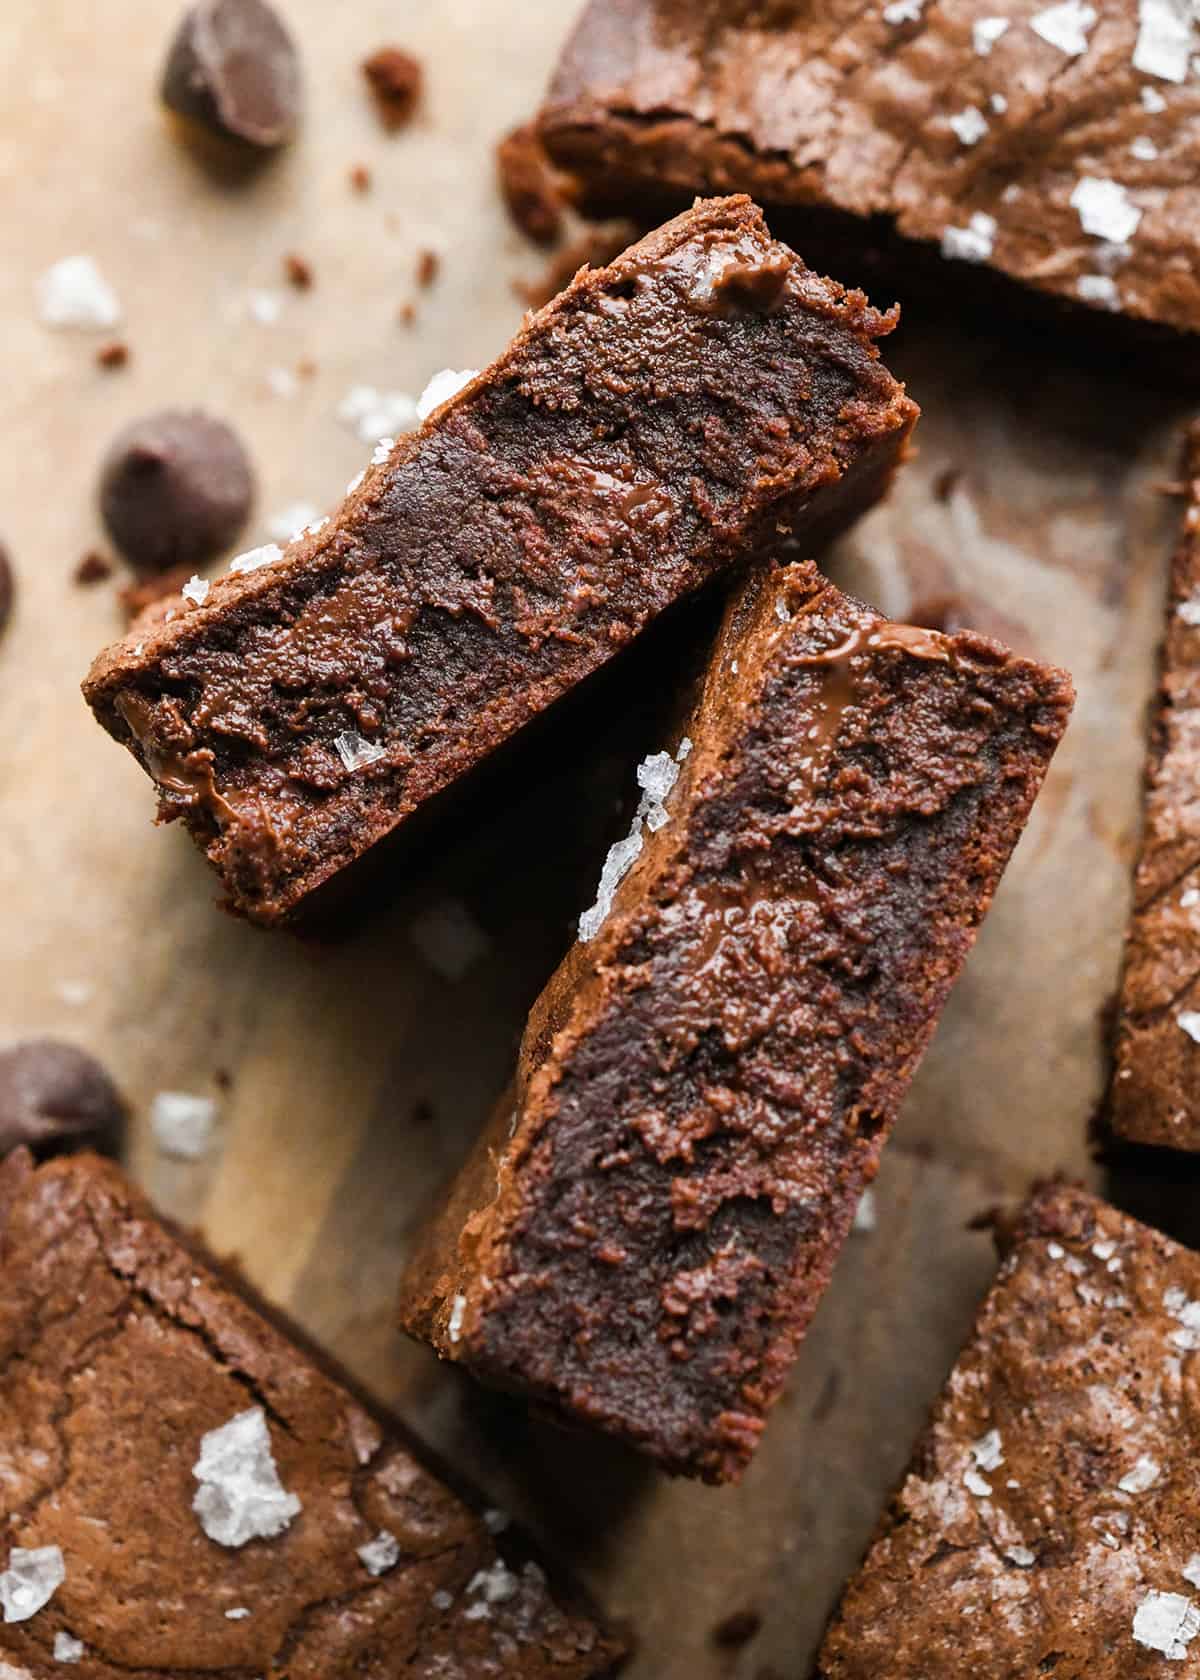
184 1491
1048 1524
1059 141
1158 1039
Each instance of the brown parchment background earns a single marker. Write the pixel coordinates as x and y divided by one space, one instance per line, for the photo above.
1052 531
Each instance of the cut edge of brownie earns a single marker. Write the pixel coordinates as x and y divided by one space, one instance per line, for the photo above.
483 1238
821 479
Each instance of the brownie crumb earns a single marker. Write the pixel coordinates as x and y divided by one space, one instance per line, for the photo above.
54 1096
94 567
428 263
234 71
360 178
114 355
298 271
406 314
395 78
175 489
737 1629
534 191
596 246
7 587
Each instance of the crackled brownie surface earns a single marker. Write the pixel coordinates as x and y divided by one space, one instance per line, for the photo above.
1058 142
1156 1091
1047 1525
120 1351
660 419
706 1084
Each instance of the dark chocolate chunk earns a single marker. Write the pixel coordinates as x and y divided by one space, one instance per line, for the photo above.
54 1097
233 69
175 489
7 587
395 78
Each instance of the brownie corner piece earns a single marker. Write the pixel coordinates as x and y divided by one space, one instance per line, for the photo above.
959 127
189 1489
662 419
1155 1094
644 1232
1046 1524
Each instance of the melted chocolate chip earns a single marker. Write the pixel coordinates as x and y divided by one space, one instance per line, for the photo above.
175 489
7 587
55 1097
395 78
233 69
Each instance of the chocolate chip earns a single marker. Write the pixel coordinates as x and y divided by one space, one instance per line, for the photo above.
395 79
175 489
233 69
7 587
55 1097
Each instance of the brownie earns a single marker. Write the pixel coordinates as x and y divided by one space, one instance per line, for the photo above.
1058 146
186 1490
705 1086
663 417
1156 1089
1047 1524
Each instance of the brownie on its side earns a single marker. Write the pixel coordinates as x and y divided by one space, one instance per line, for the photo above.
1048 1522
184 1490
705 1086
1060 146
660 419
1156 1091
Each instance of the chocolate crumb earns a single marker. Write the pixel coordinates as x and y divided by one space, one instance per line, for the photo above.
406 314
736 1629
233 70
55 1097
136 597
306 368
597 245
360 178
94 567
114 355
395 78
7 587
298 271
428 263
175 489
534 191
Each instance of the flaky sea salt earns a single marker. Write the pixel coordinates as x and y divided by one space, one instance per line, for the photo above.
972 243
1153 101
1188 1021
290 522
67 1649
256 557
975 1483
381 1554
1164 39
1056 1251
1104 1249
237 1614
355 482
264 307
998 103
355 751
1190 896
441 1599
985 32
865 1213
970 125
282 382
987 1451
454 1324
903 11
1021 1556
1100 289
76 992
33 1576
449 938
372 414
495 1585
656 777
1143 148
382 450
240 1497
441 388
183 1124
1143 1475
1065 26
74 293
195 590
1191 1570
1105 209
495 1520
1166 1622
